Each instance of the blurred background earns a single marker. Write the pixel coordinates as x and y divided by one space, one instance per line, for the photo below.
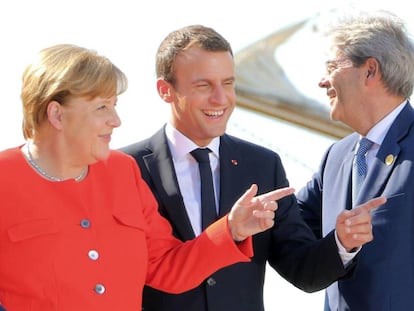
278 64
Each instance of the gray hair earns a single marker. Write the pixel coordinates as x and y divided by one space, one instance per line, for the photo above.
383 36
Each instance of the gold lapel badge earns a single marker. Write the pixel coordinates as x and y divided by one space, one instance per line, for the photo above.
389 159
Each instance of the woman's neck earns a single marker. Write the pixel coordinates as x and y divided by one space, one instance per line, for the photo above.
46 165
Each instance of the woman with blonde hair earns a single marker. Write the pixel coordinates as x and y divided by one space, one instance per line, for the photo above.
79 228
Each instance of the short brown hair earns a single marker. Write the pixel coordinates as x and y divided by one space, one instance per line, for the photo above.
182 39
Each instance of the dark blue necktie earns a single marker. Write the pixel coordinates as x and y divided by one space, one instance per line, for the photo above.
359 170
208 201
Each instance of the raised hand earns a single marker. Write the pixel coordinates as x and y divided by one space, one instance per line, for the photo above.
253 214
354 227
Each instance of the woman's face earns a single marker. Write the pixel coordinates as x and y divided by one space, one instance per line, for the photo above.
87 126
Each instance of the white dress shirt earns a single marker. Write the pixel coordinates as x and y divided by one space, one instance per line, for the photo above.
188 174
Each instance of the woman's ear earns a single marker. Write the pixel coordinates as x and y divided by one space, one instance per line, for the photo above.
54 114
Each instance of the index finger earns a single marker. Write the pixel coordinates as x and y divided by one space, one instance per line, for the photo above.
372 204
276 194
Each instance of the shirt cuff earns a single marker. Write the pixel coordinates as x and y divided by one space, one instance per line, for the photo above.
346 257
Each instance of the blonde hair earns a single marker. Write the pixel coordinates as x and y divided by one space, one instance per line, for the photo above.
64 71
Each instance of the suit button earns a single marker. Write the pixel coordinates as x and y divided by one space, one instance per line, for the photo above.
211 281
99 289
93 254
85 223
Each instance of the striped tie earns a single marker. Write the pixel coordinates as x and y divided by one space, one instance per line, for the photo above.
359 170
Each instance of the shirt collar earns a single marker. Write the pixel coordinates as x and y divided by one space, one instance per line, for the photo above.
181 146
378 132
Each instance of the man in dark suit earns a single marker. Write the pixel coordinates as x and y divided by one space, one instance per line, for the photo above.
196 76
370 76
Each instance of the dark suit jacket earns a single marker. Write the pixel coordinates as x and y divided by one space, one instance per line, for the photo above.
384 276
289 247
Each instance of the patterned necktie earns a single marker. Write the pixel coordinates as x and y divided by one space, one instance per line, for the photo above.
359 170
208 201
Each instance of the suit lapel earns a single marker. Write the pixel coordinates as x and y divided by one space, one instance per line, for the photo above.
231 174
387 155
162 172
337 194
379 173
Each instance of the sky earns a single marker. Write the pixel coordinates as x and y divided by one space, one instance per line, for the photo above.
128 32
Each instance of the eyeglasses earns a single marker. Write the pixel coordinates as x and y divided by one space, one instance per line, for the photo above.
332 65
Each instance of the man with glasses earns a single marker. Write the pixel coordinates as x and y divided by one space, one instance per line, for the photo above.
369 79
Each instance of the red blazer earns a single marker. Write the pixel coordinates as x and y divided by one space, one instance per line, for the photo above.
92 245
